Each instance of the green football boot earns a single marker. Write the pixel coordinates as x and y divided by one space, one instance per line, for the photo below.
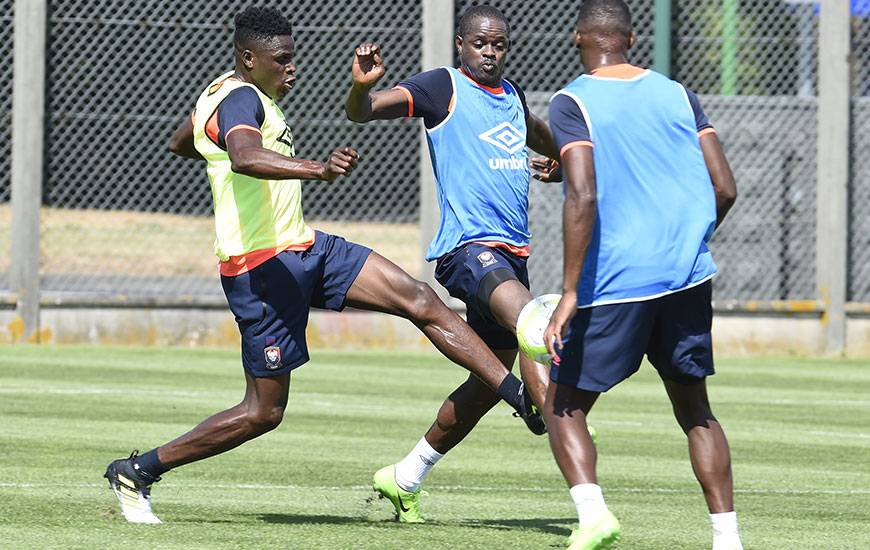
407 503
600 534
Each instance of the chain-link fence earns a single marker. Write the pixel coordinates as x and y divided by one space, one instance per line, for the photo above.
121 75
859 215
125 219
7 16
542 55
754 66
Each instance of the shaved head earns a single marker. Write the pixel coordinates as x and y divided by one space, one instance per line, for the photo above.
609 20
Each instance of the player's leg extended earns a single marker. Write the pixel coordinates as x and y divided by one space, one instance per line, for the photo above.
460 412
708 446
270 304
383 286
681 349
464 408
603 346
506 302
565 412
711 459
457 416
260 411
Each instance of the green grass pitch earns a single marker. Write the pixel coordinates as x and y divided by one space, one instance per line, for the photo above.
799 431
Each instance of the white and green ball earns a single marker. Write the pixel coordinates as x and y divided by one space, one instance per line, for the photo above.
532 323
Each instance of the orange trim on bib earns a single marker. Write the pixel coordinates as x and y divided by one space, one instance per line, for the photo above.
211 128
410 99
217 85
237 265
622 70
571 145
499 90
521 251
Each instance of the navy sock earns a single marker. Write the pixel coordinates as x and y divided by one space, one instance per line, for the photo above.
149 466
511 391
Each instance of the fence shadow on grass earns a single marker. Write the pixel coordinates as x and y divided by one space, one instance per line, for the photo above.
300 519
553 526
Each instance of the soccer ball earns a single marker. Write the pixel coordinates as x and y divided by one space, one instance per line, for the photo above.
532 323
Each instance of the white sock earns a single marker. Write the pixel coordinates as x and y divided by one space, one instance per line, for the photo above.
589 502
725 533
411 470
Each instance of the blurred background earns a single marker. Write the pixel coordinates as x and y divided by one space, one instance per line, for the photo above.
105 218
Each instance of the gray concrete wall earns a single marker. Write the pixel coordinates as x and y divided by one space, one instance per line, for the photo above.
734 334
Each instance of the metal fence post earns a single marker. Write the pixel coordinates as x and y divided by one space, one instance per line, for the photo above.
833 170
730 37
663 37
28 109
438 33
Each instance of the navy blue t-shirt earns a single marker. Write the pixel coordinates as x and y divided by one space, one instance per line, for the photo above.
243 107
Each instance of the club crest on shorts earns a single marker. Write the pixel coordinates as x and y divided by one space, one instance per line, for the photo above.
486 259
273 357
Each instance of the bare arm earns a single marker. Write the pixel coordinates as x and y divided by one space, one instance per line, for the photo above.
249 157
540 138
578 221
181 143
720 172
362 105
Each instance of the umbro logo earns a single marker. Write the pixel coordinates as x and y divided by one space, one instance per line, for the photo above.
506 137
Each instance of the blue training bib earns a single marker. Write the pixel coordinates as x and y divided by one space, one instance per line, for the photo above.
656 205
481 167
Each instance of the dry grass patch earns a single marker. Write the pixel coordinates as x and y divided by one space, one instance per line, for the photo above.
120 242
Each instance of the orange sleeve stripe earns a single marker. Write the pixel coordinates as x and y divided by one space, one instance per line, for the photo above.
211 128
706 131
575 144
410 99
241 127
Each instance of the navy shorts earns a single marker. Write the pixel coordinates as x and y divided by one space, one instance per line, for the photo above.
271 301
606 344
470 273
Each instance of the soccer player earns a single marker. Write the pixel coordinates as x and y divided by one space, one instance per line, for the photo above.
478 125
647 183
273 266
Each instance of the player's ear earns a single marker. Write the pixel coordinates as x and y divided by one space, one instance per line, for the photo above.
458 44
248 59
578 38
632 38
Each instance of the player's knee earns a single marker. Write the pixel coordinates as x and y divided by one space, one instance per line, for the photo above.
692 415
423 304
265 419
